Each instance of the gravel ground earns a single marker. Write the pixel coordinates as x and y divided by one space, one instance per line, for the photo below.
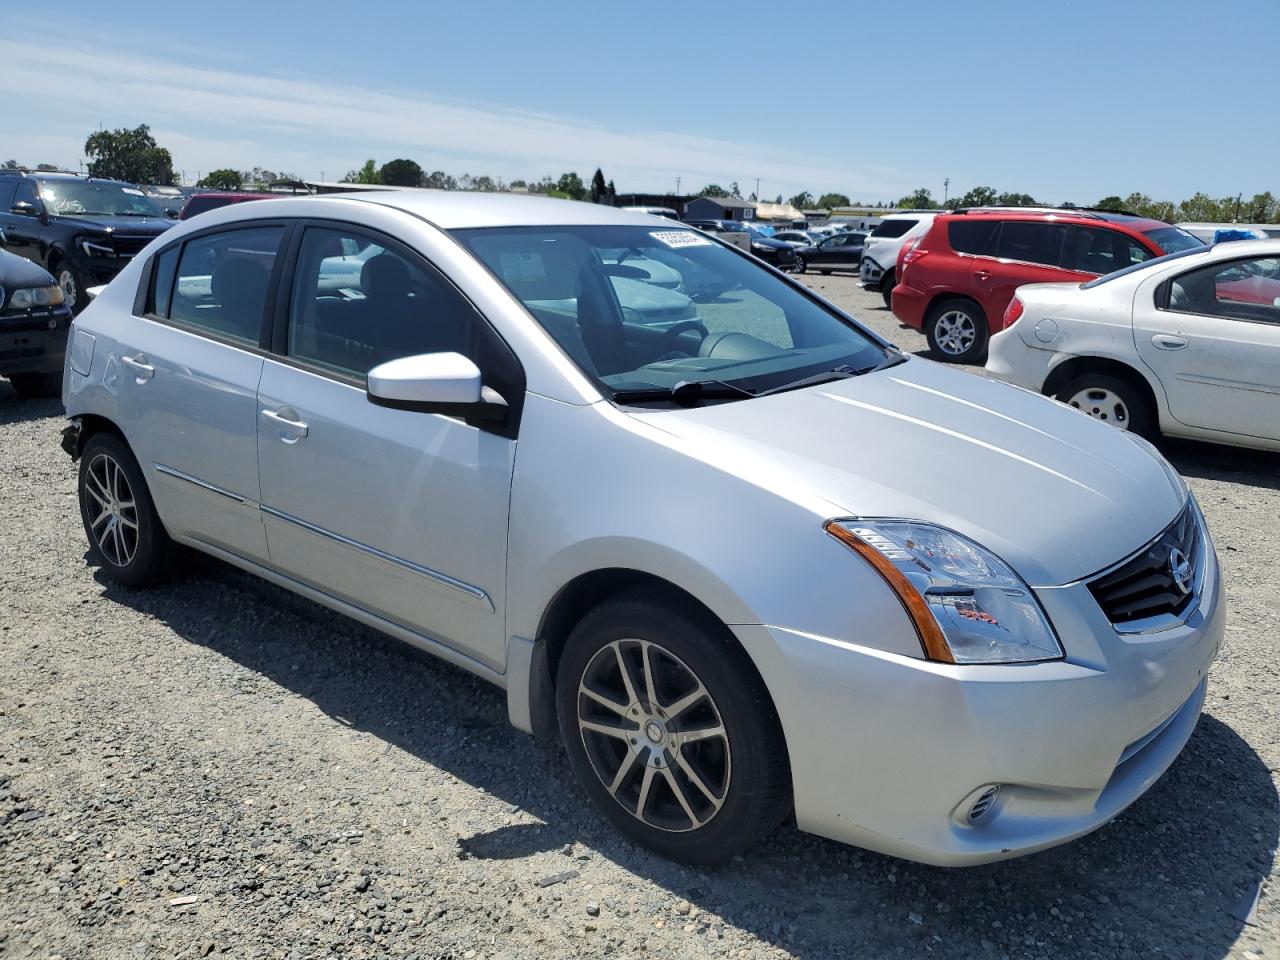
217 768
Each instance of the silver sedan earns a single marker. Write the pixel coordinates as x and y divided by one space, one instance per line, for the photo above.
748 560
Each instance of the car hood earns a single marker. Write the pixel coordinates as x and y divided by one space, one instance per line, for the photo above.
1054 493
19 273
129 225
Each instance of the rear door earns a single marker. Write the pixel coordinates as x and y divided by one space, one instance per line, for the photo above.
1027 251
187 382
1212 336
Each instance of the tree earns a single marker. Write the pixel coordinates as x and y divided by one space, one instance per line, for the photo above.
1113 203
366 174
734 189
802 200
977 197
1202 207
778 199
440 180
400 173
483 184
1016 200
611 194
714 190
225 179
1263 208
10 165
921 199
131 155
571 185
516 184
829 200
599 188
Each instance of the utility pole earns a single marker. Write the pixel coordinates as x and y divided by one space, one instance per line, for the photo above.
946 185
677 186
757 189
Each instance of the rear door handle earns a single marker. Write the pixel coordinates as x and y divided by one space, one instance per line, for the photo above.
1165 341
141 369
297 428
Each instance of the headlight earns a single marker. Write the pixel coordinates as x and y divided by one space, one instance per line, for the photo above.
759 247
35 297
96 249
967 605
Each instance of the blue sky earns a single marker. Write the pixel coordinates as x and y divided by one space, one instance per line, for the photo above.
872 99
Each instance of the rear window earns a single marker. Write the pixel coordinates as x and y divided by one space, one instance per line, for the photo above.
977 237
1134 268
1173 239
893 228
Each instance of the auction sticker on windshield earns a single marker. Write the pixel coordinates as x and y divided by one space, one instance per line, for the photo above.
680 238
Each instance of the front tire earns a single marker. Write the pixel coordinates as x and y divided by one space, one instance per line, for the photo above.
800 266
668 729
73 285
126 537
957 331
1110 400
33 385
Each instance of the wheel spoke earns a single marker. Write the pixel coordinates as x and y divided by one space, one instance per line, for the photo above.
650 690
645 786
683 800
696 779
619 708
626 673
95 487
131 524
702 733
685 702
628 762
93 524
619 733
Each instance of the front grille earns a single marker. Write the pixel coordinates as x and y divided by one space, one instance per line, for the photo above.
1144 586
22 353
128 246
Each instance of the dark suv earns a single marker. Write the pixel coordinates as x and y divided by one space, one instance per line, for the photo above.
81 229
956 280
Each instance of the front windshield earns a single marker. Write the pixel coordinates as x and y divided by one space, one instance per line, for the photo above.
101 197
638 308
1174 239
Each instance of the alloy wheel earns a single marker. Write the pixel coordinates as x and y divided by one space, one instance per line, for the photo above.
955 332
67 281
654 735
114 526
1102 404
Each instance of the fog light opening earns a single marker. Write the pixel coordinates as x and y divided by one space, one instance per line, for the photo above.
984 803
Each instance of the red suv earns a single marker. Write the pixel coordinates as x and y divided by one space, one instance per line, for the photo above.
957 280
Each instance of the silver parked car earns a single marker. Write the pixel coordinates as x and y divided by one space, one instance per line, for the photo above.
751 564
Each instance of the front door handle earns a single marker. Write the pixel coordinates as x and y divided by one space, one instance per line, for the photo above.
141 369
296 429
1165 341
982 274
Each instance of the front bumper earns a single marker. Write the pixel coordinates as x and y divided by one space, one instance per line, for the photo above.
33 341
870 274
887 752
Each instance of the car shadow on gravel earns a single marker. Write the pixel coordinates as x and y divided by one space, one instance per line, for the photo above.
1212 461
16 409
1174 876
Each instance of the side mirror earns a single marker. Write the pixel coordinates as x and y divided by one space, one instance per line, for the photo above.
25 208
447 383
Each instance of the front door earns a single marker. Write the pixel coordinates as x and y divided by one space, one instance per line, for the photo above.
401 514
1212 336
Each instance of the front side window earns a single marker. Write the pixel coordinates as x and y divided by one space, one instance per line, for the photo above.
221 283
638 308
357 303
1032 242
74 197
1237 290
1098 250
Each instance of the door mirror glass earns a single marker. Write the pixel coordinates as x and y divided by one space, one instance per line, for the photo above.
426 380
25 208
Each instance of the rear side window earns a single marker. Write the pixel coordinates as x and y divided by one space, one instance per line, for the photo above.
977 237
221 283
7 186
893 228
161 293
1032 242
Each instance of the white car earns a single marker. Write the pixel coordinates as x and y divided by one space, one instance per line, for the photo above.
878 268
747 565
1185 345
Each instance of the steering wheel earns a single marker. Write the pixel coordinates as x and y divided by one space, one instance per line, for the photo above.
670 339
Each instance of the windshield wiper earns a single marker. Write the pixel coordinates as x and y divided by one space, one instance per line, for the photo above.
685 393
839 373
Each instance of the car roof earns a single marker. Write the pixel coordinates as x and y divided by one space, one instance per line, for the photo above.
457 209
1067 215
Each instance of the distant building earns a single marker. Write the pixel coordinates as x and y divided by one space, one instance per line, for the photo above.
671 201
719 208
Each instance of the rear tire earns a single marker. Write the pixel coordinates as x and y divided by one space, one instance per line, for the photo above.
73 284
800 265
886 289
1111 400
126 537
957 331
33 385
698 711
